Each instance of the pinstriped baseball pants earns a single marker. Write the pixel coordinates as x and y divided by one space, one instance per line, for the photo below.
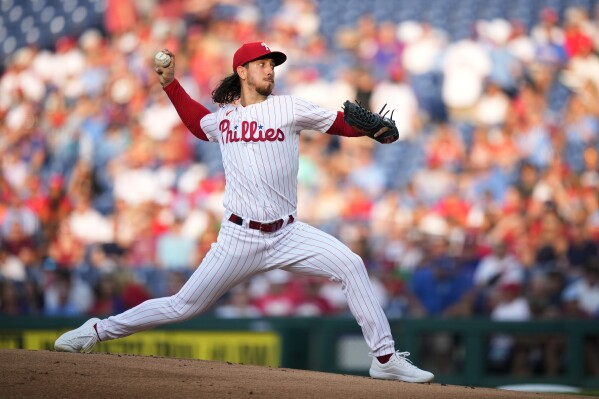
240 253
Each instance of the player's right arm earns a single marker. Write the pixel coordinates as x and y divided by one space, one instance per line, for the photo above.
190 111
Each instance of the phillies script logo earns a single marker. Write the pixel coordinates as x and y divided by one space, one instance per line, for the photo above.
250 132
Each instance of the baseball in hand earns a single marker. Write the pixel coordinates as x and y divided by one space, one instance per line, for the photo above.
162 59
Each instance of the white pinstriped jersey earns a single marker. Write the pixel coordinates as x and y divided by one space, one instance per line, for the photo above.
260 152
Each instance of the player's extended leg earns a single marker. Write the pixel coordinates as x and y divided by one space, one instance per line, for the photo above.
306 250
238 254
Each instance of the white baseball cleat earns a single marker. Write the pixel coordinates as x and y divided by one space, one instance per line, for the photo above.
399 367
82 339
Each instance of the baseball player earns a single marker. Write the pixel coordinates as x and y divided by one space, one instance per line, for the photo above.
258 134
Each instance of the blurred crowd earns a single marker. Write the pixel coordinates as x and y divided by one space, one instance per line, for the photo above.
487 206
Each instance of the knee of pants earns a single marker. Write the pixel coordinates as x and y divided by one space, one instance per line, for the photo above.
184 309
355 267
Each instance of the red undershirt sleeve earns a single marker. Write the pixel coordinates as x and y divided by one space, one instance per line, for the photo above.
341 128
189 110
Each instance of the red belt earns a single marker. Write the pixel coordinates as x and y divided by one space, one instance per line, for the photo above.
265 227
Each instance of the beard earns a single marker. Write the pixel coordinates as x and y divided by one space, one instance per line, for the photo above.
264 88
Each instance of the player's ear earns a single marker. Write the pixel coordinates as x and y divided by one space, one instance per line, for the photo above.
242 72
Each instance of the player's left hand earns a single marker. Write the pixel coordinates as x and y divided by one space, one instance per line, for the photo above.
376 126
380 132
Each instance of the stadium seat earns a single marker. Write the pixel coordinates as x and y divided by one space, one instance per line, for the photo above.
455 17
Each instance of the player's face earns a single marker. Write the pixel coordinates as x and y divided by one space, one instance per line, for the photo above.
261 76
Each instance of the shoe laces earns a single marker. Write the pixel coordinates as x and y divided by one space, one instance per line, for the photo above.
403 356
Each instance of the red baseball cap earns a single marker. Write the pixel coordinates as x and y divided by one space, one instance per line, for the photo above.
252 51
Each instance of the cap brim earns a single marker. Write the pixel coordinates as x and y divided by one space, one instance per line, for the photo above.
277 56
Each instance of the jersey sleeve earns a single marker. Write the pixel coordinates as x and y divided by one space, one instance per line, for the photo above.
189 110
209 125
309 116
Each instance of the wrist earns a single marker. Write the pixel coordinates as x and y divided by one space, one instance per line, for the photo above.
166 84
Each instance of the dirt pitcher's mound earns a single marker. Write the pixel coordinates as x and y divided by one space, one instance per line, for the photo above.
44 374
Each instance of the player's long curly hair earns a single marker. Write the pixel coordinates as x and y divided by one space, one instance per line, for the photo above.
228 90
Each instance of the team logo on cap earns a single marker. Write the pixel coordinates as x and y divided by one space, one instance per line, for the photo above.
265 46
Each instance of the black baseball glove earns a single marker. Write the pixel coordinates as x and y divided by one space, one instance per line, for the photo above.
369 123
